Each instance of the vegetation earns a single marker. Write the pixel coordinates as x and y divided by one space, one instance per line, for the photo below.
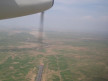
52 62
56 78
66 57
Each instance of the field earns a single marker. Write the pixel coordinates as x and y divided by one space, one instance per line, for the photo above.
67 56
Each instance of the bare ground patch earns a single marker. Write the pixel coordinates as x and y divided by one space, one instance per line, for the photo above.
31 74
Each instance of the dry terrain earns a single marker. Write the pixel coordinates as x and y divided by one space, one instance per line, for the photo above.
66 56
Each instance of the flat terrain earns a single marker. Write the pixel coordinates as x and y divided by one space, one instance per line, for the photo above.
66 56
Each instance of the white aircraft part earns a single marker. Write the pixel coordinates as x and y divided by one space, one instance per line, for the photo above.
16 8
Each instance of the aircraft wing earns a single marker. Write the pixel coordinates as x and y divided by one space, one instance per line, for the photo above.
16 8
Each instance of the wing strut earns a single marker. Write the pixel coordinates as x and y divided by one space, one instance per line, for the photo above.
41 30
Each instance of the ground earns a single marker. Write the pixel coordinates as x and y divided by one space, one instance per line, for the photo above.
66 56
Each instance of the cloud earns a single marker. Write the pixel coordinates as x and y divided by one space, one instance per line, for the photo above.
77 1
88 18
105 18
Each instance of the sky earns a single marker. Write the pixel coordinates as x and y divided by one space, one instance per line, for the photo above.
68 15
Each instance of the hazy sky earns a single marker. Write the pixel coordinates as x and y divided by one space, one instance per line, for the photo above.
72 15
